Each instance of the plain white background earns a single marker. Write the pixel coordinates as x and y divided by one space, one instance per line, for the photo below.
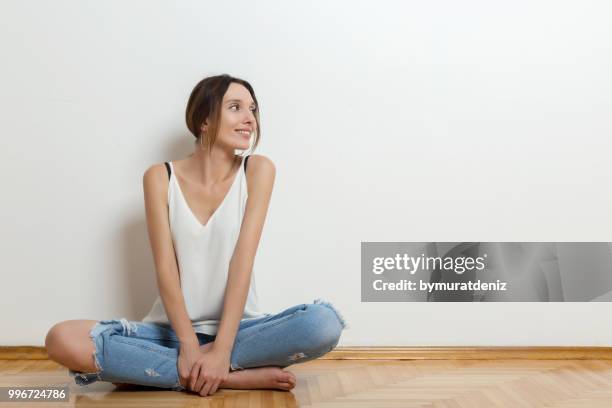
387 121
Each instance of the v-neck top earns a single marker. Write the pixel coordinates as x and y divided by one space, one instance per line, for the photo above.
203 253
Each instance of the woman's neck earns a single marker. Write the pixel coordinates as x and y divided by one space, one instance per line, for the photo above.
210 168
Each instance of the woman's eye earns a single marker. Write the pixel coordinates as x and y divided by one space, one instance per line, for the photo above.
238 107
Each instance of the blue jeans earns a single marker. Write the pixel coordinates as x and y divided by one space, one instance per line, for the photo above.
147 353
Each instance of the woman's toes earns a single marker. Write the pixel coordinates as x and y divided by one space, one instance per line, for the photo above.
285 386
291 385
285 377
284 380
291 377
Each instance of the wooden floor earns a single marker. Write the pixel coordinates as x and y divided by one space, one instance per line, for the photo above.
364 383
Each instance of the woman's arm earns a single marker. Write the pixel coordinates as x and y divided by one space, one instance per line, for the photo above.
155 185
260 181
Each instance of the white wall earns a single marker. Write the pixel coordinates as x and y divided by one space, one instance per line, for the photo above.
387 121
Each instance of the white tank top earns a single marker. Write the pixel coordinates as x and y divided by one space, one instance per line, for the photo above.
203 254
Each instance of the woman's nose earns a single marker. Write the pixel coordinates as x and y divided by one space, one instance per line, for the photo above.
249 119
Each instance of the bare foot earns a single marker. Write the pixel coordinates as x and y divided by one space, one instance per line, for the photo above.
260 377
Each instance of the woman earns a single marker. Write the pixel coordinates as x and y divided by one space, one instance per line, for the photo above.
205 331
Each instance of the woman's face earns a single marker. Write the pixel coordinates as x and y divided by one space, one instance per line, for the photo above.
237 122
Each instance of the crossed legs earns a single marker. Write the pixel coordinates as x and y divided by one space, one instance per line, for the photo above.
261 351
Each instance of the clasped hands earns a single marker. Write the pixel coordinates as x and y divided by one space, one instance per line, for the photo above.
203 369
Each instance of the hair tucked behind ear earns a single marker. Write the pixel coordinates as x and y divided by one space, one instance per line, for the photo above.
205 103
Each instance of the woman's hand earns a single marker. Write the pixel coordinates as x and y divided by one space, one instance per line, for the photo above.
210 370
188 356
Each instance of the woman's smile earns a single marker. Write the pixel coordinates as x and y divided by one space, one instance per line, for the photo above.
244 133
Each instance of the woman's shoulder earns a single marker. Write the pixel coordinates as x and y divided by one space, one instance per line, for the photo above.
156 171
155 178
259 163
260 173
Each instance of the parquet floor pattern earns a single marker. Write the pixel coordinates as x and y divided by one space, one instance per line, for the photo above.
362 383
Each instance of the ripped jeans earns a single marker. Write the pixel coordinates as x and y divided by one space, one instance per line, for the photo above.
147 353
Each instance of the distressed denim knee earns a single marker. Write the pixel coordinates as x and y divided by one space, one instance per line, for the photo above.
122 358
298 334
327 324
121 325
323 325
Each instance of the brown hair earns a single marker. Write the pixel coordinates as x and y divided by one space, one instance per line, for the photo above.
205 103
